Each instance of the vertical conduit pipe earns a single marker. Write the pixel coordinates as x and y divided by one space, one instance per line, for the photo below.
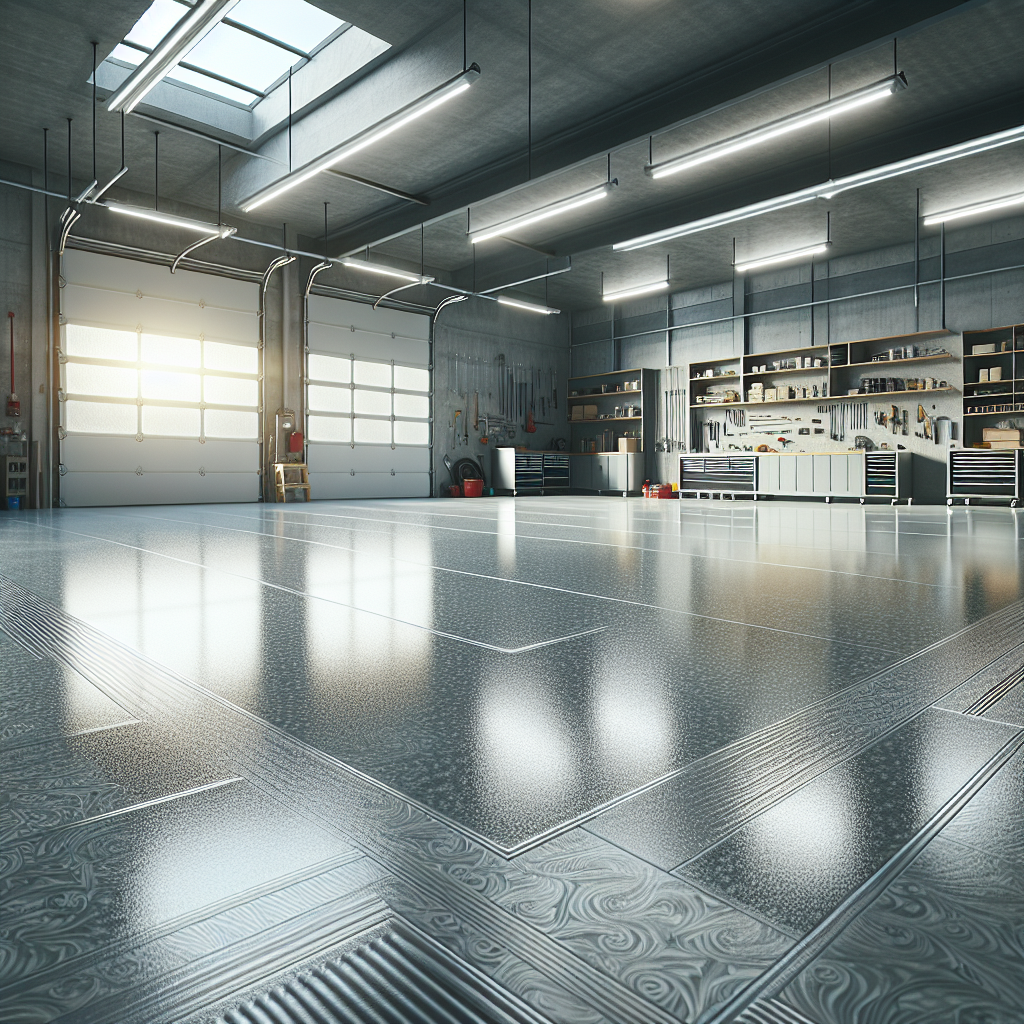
261 314
304 383
448 301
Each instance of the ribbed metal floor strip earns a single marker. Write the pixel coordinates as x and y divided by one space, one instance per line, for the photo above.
997 693
400 977
771 1011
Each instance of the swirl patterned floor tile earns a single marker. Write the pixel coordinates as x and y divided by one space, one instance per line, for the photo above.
945 942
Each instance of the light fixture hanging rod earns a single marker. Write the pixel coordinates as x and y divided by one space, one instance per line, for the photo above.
502 228
826 190
794 122
782 257
192 27
973 209
410 112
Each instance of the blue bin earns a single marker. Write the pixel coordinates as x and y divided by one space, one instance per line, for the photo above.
14 503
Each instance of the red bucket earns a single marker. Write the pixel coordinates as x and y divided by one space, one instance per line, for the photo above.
472 488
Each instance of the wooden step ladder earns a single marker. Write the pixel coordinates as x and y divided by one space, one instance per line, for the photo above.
282 482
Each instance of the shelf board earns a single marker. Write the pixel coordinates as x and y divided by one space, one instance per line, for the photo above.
612 373
610 419
605 394
797 369
1009 380
1004 412
939 331
991 355
822 398
893 362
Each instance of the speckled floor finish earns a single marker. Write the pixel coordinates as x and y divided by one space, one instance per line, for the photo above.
587 759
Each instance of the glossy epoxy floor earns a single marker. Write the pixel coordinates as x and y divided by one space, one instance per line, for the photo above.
632 760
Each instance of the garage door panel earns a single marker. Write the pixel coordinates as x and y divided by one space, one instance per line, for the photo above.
340 458
369 485
87 454
339 313
90 489
337 341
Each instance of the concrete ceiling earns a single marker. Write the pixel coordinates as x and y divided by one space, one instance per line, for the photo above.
606 75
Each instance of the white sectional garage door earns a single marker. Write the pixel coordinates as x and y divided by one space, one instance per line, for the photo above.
159 375
368 401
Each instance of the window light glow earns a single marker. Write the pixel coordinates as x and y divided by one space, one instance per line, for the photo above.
974 209
504 300
629 293
782 257
545 212
429 101
804 118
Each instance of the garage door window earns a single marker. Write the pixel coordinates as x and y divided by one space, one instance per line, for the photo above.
364 401
152 385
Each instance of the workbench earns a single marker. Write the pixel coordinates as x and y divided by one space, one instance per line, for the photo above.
828 475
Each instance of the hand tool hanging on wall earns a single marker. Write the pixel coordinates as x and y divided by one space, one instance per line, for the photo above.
13 405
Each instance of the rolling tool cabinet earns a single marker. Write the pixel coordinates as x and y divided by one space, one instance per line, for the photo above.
983 474
513 472
828 475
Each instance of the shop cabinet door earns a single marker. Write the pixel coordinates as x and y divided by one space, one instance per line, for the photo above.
600 473
581 470
804 473
768 474
823 483
787 473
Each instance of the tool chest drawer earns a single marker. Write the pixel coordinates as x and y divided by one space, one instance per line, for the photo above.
717 473
880 474
980 473
556 470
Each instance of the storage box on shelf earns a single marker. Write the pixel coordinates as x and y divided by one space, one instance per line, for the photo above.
611 428
828 475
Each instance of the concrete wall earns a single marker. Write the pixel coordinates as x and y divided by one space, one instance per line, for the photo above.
479 332
971 303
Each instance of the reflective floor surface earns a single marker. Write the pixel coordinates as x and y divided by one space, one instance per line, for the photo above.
614 759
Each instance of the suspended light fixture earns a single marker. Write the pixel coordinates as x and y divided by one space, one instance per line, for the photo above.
410 112
812 115
782 257
973 209
376 268
828 189
186 223
629 293
552 210
504 300
201 19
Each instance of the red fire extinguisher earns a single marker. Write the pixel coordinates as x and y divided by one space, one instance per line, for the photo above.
13 405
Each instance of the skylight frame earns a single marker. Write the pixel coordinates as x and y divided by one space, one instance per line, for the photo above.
302 58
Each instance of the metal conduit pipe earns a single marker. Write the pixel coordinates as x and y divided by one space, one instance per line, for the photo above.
449 300
261 315
304 413
804 305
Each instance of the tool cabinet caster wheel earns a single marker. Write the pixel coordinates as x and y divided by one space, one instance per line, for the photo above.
967 501
1013 504
949 501
828 499
862 501
893 502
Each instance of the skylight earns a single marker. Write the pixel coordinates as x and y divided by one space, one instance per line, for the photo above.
245 55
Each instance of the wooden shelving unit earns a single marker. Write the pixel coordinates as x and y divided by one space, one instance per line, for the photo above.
1005 395
608 391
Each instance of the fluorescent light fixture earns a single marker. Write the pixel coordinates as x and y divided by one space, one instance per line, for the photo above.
200 20
376 268
427 102
812 115
529 306
552 210
629 293
828 189
782 257
974 208
220 230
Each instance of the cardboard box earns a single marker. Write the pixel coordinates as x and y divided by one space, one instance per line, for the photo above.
1000 444
590 412
629 444
577 412
982 350
1001 434
770 394
995 373
983 376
